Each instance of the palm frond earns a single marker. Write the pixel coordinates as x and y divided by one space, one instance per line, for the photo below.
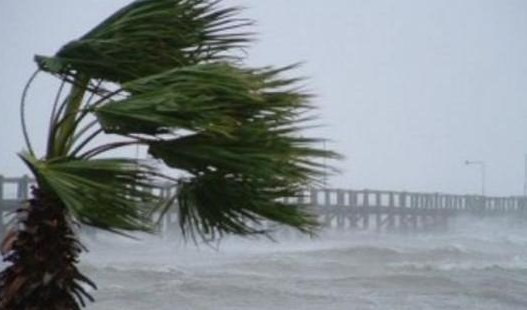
238 182
149 36
219 203
245 134
236 130
211 97
111 194
257 154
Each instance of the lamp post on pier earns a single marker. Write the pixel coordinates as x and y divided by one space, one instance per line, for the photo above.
481 164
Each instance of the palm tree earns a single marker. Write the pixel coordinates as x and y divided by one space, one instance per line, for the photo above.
168 76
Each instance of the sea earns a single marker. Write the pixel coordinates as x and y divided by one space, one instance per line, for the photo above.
477 264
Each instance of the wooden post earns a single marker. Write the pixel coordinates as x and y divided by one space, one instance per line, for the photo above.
402 211
327 206
378 207
469 204
391 211
341 208
353 217
415 210
22 188
327 198
365 210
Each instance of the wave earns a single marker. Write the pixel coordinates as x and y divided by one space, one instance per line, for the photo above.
462 266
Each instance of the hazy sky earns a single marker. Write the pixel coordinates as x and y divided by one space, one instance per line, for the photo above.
408 90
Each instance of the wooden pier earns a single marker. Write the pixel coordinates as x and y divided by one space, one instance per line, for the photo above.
342 208
392 210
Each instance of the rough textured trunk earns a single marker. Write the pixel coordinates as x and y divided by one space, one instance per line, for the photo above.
43 251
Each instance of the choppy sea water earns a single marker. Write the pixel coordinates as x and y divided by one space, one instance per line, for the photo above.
479 265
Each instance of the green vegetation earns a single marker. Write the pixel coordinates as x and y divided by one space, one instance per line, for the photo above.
168 76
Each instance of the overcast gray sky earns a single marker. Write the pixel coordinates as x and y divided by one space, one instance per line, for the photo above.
408 90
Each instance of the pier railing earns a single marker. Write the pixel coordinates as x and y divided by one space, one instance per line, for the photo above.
346 208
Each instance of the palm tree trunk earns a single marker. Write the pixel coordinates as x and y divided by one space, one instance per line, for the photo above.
43 252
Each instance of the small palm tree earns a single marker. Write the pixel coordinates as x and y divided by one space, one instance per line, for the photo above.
169 76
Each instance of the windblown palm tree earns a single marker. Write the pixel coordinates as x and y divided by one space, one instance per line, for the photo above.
169 76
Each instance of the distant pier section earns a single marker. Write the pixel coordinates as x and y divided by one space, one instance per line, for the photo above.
341 208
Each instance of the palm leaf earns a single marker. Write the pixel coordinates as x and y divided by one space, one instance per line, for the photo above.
217 203
259 154
238 182
236 130
244 125
111 194
149 36
210 97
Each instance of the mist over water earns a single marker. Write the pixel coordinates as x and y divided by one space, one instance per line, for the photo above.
407 91
478 264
